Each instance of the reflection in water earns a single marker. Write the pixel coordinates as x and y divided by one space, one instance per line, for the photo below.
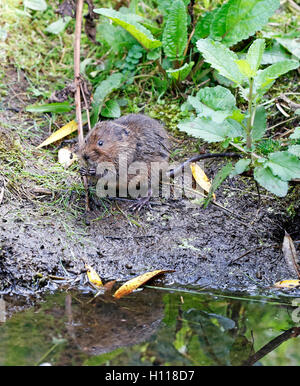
149 327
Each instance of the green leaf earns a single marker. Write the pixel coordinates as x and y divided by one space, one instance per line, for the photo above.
238 19
296 133
294 149
221 58
259 124
59 25
181 73
240 166
211 131
245 68
274 54
174 38
284 165
202 29
222 174
111 109
36 5
108 85
130 24
273 184
292 45
255 53
265 78
63 107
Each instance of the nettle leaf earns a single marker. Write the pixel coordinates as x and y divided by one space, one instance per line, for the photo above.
259 124
245 68
111 109
216 102
36 5
240 166
202 28
292 45
273 184
108 85
284 165
255 54
181 73
211 131
239 19
164 6
265 78
274 54
174 38
130 24
221 58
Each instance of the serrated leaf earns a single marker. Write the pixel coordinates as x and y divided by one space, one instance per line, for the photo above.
273 184
292 45
274 54
259 124
111 109
59 25
245 68
211 131
221 58
202 28
238 19
181 73
255 53
240 167
36 5
294 149
284 165
130 24
62 107
108 85
265 78
174 38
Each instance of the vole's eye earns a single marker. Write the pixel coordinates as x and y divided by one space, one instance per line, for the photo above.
100 143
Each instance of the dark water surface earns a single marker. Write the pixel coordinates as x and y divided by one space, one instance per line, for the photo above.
151 327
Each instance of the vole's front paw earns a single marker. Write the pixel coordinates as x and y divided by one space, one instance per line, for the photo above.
87 172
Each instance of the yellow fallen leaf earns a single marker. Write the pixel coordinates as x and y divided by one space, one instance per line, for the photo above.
287 284
93 276
61 133
66 157
136 282
200 177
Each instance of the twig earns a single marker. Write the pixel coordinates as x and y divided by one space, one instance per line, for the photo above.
78 91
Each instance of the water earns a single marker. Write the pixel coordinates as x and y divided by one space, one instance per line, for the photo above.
151 327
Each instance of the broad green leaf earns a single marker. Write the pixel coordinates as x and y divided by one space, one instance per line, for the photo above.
129 23
292 45
273 184
59 25
236 20
62 107
259 124
36 5
284 165
221 58
296 133
164 6
240 166
108 85
211 131
182 72
174 38
111 109
294 149
202 29
274 54
265 78
245 68
194 101
255 53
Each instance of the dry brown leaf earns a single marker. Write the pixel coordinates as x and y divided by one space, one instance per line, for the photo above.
200 177
93 276
136 282
287 284
290 254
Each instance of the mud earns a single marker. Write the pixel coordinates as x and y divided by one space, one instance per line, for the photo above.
234 249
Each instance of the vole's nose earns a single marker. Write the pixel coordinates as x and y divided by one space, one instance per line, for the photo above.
85 157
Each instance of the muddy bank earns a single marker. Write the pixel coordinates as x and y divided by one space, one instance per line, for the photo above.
237 248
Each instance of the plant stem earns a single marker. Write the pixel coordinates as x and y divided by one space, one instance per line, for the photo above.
251 114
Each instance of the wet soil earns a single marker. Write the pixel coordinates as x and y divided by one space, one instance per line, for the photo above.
237 248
